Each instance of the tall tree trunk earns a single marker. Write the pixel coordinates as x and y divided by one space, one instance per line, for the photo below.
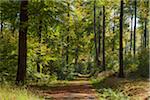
39 52
62 51
134 48
99 37
76 57
1 26
76 50
67 47
121 72
131 32
145 33
142 36
103 39
22 52
95 37
2 29
113 41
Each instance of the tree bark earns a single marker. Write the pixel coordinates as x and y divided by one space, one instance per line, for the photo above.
99 38
121 71
134 48
113 41
39 52
145 33
67 47
95 37
22 52
131 32
2 29
1 26
76 56
103 39
142 37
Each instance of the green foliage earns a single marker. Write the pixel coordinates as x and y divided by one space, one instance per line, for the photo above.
143 66
138 65
130 63
111 94
106 92
112 61
8 57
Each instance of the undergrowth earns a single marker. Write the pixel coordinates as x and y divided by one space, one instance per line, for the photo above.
8 92
105 92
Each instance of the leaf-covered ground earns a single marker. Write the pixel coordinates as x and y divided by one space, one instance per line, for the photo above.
127 88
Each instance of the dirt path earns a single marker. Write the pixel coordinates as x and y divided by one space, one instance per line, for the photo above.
80 89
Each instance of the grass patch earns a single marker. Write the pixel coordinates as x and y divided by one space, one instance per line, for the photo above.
8 92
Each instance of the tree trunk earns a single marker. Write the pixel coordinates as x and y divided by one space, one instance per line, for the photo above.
103 38
63 54
113 41
22 52
131 32
2 29
121 72
1 26
39 52
134 49
145 33
99 38
67 51
142 37
95 37
76 57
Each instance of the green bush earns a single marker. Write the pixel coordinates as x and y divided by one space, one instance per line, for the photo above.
8 57
143 66
130 63
110 94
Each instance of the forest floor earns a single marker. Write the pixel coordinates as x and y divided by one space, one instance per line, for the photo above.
136 88
84 89
79 89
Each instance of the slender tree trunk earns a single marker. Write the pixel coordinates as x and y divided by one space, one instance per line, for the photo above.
134 48
145 34
131 32
67 51
63 54
76 50
113 41
39 52
142 36
121 71
76 57
2 29
95 37
67 47
22 52
1 25
103 38
99 38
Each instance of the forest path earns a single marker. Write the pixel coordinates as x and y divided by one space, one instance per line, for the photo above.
79 89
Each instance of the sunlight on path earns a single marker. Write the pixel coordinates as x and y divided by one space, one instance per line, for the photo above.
80 89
